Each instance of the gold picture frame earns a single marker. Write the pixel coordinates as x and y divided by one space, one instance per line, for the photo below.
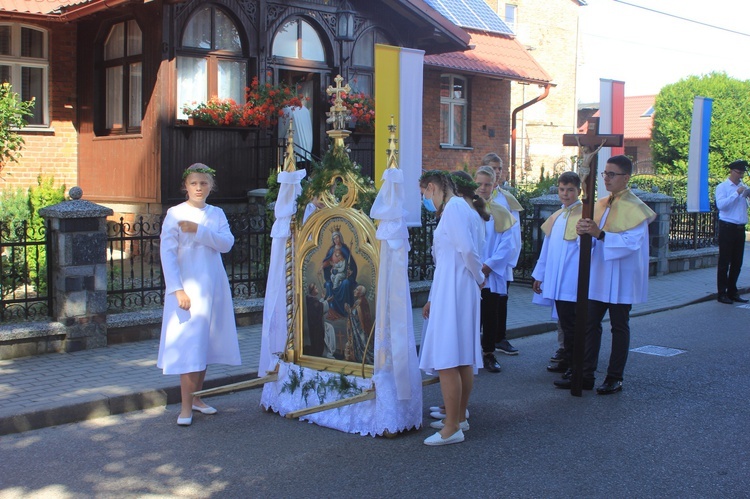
335 289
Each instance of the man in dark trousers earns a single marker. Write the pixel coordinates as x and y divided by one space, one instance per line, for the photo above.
732 202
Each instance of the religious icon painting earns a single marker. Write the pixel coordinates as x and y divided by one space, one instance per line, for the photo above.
335 293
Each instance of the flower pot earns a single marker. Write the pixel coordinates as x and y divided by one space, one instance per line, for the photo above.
197 122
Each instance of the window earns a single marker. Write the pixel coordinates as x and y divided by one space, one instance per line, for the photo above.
210 62
24 64
510 15
363 60
453 105
297 39
122 68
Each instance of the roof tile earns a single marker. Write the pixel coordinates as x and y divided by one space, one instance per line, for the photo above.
494 55
37 6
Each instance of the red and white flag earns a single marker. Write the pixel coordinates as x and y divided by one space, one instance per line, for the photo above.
612 120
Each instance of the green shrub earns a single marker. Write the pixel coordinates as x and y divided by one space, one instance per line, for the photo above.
43 194
14 206
12 118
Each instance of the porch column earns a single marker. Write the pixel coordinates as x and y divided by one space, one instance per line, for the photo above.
78 258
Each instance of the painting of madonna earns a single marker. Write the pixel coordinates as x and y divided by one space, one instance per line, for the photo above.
339 275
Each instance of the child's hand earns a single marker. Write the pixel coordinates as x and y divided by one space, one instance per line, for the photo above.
426 311
486 270
537 287
186 226
183 300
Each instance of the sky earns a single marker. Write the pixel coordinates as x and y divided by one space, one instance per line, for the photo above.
648 50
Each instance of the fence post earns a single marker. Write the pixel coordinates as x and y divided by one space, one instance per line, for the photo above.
78 239
544 206
658 230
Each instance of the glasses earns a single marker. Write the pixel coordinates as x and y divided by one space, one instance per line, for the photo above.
611 175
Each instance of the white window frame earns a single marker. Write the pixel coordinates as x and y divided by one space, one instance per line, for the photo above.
452 101
187 92
511 23
17 62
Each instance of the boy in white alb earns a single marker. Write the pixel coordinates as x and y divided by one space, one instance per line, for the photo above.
505 199
556 271
619 271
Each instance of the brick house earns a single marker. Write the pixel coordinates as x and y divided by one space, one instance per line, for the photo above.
548 29
110 77
459 129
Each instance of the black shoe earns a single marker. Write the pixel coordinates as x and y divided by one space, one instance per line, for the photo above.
506 348
738 299
568 374
609 386
567 383
559 355
725 299
559 367
491 364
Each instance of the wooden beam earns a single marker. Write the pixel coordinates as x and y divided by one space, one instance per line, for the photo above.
367 395
430 381
242 385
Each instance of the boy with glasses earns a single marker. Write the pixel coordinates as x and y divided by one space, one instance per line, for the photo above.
619 272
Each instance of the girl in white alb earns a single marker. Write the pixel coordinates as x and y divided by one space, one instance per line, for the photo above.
198 326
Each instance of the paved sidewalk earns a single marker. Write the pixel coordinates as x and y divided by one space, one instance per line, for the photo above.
53 389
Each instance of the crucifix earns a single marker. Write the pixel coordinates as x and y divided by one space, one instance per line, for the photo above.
589 145
339 114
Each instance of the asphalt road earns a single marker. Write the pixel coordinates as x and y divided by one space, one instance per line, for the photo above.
680 428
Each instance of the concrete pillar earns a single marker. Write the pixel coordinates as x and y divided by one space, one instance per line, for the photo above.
544 206
658 231
78 238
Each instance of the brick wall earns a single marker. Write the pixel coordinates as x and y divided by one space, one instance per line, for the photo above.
52 151
489 108
549 29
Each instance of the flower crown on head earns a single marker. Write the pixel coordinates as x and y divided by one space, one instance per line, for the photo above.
462 181
433 173
198 168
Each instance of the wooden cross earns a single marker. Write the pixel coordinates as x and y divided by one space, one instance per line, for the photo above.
338 114
589 144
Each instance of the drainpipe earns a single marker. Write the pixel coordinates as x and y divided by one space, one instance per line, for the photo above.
513 125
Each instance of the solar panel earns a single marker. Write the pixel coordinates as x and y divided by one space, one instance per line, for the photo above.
474 14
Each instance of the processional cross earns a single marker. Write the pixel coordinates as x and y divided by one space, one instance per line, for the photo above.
589 145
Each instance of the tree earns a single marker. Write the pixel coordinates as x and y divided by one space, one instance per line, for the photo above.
12 118
730 122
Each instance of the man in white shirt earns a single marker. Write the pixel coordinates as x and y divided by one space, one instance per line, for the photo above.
732 202
619 272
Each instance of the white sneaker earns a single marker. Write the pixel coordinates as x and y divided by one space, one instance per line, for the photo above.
439 425
437 439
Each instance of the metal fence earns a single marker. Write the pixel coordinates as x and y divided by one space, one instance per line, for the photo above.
691 231
24 274
135 279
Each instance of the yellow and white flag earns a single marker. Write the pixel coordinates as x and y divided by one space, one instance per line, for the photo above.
398 93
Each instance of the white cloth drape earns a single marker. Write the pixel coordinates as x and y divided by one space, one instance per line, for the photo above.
274 331
397 378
